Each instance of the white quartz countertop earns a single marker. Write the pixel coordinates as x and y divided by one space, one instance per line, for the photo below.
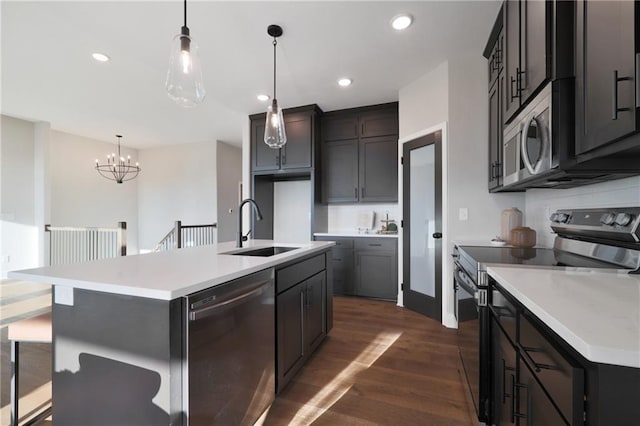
353 235
170 274
597 313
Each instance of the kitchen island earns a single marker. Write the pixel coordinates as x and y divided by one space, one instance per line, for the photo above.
129 346
570 339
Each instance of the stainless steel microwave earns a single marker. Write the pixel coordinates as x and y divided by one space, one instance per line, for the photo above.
528 145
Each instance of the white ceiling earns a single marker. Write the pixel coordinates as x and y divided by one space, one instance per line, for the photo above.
48 73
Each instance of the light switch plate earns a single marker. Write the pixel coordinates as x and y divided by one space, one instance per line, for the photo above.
63 295
463 213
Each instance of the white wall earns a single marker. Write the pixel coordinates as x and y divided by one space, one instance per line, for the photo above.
176 183
344 218
229 177
80 196
541 202
292 211
19 236
455 95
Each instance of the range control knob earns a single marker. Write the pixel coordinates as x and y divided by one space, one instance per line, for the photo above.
562 217
607 219
623 219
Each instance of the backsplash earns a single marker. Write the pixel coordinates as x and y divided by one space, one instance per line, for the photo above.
345 218
540 203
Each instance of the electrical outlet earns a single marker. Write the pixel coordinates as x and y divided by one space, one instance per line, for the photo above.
463 213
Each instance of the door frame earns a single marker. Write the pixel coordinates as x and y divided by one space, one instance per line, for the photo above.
448 317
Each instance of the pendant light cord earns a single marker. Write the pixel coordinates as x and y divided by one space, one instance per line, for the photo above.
185 13
275 42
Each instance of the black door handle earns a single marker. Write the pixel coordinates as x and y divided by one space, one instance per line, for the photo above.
437 235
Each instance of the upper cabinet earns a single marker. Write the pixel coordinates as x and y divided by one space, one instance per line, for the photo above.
607 72
360 155
494 52
298 153
528 50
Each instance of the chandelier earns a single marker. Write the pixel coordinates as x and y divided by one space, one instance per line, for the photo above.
117 168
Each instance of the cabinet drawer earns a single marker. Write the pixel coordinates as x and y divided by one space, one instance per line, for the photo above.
505 312
346 243
291 275
562 379
372 243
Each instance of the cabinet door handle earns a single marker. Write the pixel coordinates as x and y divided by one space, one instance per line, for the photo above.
492 171
284 155
355 194
437 235
302 322
513 97
362 192
375 245
614 97
513 398
498 169
362 127
637 80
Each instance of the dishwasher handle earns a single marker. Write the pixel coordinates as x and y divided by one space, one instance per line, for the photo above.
211 309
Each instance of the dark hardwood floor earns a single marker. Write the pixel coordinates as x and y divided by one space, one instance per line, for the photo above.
380 364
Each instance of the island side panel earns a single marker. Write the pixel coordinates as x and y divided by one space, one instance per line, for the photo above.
113 360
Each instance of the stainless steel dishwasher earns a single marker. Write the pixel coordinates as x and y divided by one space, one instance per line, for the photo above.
231 351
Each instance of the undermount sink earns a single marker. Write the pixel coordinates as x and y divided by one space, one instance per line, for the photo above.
262 251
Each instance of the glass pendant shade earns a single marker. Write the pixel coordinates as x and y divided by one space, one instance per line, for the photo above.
274 134
184 79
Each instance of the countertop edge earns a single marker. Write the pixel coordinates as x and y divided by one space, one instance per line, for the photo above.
189 288
347 235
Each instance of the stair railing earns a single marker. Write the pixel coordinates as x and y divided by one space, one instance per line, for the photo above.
80 244
188 236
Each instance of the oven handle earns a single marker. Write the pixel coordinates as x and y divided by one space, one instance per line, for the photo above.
464 281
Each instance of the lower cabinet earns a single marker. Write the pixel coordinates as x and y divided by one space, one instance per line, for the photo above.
532 381
376 274
534 406
301 317
503 376
365 266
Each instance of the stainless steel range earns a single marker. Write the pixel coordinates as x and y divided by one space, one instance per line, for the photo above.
605 238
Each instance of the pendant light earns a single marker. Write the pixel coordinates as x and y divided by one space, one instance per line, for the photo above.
184 79
274 133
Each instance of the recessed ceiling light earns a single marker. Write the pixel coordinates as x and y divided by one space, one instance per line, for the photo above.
263 98
100 57
344 82
402 21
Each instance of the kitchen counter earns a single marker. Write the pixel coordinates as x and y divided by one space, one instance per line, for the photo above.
353 235
597 313
167 275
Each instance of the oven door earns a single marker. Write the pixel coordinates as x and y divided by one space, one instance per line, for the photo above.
471 317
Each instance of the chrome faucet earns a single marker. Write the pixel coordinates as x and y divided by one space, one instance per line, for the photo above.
256 209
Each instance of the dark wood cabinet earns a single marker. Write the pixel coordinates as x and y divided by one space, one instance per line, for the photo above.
302 314
365 266
297 153
360 155
315 301
378 169
340 171
495 54
503 376
290 311
495 133
533 382
376 272
606 73
528 50
534 406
